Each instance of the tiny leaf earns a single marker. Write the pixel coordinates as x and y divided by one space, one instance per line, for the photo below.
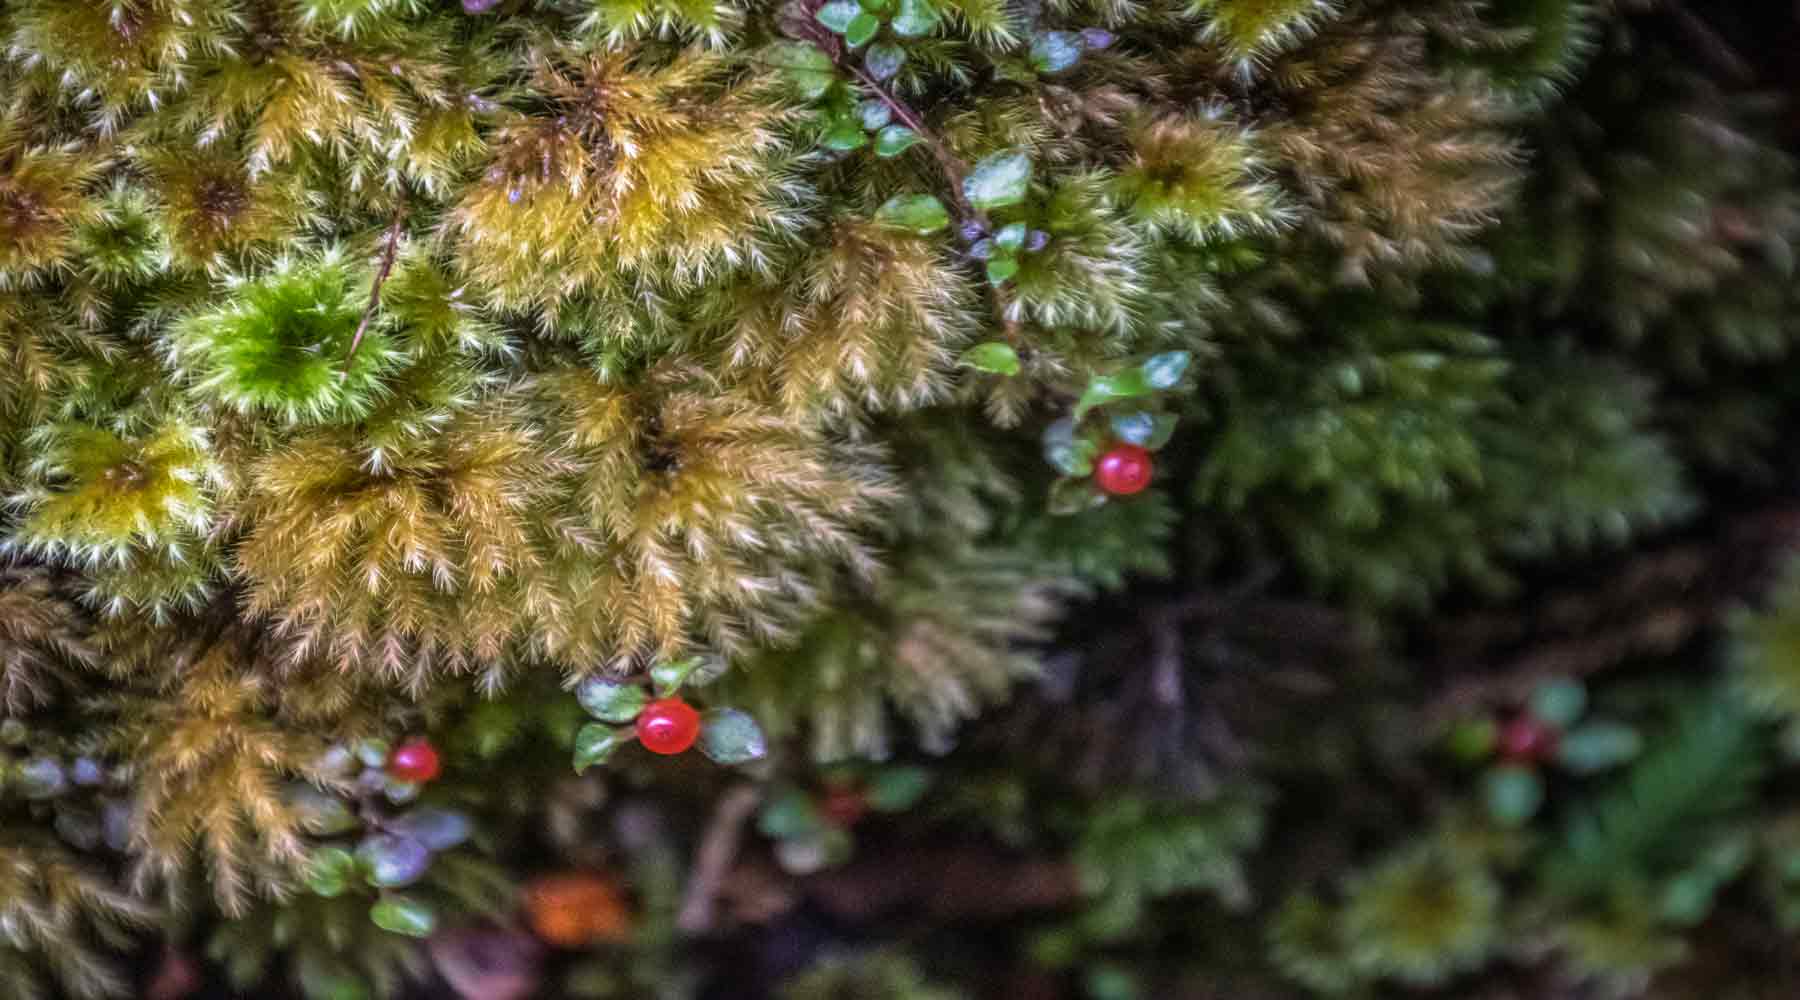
1513 794
404 915
1010 236
915 19
609 700
1597 746
391 860
1559 702
874 113
1103 389
920 213
728 736
1072 496
668 676
894 140
845 134
805 66
438 829
1001 268
1068 453
328 871
1055 51
1144 429
373 752
1162 371
896 789
863 27
884 59
838 15
999 180
596 742
992 357
788 813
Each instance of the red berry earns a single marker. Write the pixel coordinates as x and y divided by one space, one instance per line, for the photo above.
843 805
1526 740
668 725
1123 470
415 761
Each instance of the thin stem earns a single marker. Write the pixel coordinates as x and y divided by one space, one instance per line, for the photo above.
713 859
387 266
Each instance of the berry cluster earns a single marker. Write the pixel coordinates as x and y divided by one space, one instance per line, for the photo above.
1549 729
394 847
657 718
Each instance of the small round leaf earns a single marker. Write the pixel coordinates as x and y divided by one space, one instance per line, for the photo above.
919 213
728 736
404 915
998 180
611 701
595 742
1513 794
894 140
884 59
993 357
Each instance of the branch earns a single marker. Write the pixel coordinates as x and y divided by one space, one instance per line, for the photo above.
713 858
381 276
972 223
1649 604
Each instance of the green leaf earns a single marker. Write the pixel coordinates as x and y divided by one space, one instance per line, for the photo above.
807 68
884 59
839 14
1072 496
1067 452
1513 794
596 742
1102 389
1145 429
373 752
1162 371
845 134
668 676
919 213
404 915
863 27
329 870
1559 702
790 812
729 736
390 860
1473 740
894 140
874 113
1001 268
896 789
1055 51
999 180
611 701
1597 746
1011 236
992 357
916 19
